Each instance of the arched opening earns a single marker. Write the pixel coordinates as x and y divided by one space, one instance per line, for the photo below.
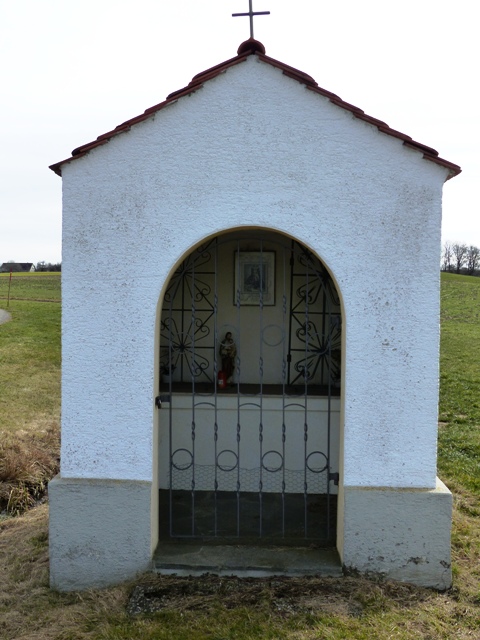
250 359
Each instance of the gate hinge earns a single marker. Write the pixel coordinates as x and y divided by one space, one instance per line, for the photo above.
160 399
335 477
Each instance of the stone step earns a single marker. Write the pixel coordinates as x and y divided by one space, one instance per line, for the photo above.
187 559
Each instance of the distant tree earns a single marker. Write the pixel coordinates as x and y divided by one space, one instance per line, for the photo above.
472 259
48 266
447 255
460 254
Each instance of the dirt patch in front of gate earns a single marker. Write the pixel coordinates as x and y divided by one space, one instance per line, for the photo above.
282 595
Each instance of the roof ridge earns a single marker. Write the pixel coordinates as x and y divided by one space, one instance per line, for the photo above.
247 48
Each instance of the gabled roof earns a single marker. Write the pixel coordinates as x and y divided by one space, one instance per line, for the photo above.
6 267
248 48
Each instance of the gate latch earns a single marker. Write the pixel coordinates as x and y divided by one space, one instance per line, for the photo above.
335 477
160 399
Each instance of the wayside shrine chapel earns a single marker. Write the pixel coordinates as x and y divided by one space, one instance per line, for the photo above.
250 290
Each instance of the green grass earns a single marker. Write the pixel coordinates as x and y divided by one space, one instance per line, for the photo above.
29 397
29 286
459 434
30 363
329 609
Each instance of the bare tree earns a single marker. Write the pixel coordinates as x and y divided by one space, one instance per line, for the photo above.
48 266
473 259
447 255
460 254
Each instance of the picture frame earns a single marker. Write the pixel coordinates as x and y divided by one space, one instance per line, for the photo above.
254 278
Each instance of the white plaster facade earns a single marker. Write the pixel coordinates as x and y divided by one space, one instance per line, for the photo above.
251 149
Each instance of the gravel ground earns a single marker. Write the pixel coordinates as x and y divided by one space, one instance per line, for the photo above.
4 316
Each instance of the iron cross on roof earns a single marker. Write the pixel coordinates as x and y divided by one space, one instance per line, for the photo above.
250 14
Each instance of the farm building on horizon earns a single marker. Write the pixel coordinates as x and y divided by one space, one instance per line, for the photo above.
17 267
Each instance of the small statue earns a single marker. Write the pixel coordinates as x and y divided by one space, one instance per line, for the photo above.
228 352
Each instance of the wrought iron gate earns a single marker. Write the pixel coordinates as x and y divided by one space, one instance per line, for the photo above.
246 454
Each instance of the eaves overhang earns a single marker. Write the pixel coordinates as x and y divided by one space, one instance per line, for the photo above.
246 49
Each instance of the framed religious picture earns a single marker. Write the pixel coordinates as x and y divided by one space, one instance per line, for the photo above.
254 278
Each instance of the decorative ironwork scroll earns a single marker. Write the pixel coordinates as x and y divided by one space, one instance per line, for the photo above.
315 322
187 336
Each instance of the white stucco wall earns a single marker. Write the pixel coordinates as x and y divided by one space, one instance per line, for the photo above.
252 148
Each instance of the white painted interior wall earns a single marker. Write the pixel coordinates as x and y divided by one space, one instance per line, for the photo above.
248 449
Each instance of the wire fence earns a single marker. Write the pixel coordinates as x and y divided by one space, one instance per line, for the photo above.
36 287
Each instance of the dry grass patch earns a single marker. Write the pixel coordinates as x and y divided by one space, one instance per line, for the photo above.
221 608
29 610
28 460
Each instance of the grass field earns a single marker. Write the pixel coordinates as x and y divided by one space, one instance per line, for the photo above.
30 389
30 286
221 608
30 353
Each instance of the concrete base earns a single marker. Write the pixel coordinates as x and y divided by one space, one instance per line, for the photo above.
401 533
100 532
245 561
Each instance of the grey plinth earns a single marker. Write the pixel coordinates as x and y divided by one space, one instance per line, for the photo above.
100 532
403 534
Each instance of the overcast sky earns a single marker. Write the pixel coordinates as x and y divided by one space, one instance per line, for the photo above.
73 69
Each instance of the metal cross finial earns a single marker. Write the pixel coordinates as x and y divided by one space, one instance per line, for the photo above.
250 14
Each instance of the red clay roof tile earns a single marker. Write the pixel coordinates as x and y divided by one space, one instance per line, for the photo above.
247 48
